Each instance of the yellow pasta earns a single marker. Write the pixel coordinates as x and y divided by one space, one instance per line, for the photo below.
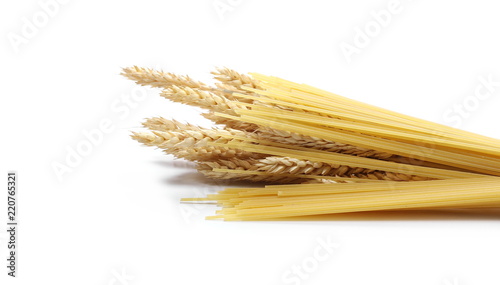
269 203
465 177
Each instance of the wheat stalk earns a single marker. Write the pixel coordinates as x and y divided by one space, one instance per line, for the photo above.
162 124
200 98
192 142
207 169
154 78
234 79
277 167
271 135
211 101
287 165
182 146
189 135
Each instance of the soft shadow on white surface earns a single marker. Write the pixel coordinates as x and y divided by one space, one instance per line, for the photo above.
198 179
193 178
176 163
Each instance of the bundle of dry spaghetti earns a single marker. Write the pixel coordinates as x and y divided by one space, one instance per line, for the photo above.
320 153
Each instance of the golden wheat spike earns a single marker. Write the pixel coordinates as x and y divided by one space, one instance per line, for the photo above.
192 143
291 167
232 78
154 78
199 98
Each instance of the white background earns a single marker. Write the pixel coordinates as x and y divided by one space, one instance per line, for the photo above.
117 212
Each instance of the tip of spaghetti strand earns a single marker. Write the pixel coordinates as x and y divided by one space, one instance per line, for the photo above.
195 199
217 217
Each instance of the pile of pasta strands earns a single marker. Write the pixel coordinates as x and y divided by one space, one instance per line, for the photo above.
317 152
